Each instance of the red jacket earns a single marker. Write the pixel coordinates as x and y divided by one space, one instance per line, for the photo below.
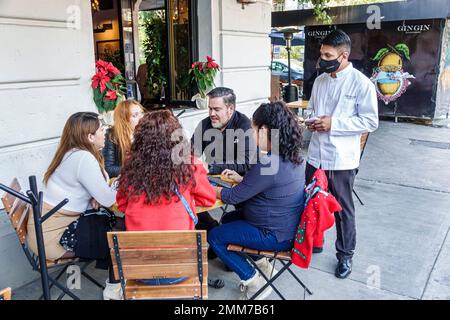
169 215
316 218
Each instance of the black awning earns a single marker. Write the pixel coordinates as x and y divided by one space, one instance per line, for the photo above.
390 11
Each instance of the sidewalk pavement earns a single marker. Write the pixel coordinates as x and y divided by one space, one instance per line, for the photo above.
403 241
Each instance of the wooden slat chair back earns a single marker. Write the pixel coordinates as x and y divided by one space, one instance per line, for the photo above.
138 255
18 211
363 142
5 294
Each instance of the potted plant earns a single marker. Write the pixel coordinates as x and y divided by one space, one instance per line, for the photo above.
203 74
109 88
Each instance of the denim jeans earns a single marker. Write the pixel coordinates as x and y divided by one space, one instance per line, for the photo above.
235 230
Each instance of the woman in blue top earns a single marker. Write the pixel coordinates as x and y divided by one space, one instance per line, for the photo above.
270 197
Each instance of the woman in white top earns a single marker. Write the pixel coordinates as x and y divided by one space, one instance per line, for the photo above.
76 173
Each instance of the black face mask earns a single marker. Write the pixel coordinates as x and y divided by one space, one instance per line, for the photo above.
329 66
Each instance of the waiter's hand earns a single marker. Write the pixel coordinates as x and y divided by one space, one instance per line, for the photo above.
310 126
323 124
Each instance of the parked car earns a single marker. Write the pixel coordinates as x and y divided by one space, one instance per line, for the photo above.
280 68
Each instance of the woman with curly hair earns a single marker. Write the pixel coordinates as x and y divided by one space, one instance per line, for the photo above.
159 173
119 138
270 196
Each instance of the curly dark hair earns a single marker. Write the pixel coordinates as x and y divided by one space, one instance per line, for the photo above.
277 115
150 168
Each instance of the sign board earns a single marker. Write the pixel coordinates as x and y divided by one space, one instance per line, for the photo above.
402 60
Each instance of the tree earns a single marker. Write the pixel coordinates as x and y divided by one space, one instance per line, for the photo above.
320 7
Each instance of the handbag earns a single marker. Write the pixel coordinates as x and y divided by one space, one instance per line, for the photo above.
88 227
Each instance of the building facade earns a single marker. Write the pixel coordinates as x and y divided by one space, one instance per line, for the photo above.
46 67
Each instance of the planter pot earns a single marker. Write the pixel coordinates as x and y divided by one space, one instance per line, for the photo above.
108 117
202 103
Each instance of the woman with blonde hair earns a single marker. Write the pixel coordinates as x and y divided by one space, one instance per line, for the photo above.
76 173
120 137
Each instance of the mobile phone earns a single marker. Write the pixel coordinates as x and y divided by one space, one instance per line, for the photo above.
311 120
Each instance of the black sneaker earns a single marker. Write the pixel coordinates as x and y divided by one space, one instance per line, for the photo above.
344 268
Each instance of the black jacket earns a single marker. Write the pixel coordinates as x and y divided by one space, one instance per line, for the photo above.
111 154
239 157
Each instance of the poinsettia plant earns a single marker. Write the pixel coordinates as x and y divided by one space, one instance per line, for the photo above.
109 86
203 74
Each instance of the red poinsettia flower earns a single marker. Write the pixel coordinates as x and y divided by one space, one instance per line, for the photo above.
100 64
200 66
100 79
211 63
111 95
112 69
194 64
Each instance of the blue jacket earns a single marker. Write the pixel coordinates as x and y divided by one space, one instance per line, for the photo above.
271 196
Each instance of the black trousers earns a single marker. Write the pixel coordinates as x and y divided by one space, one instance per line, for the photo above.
340 185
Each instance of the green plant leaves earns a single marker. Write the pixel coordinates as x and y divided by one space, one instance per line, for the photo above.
155 52
98 99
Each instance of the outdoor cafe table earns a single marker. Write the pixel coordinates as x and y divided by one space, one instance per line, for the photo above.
300 104
198 209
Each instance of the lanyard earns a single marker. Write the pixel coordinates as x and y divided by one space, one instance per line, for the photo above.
186 205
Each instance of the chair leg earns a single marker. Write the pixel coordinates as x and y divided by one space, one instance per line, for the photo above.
61 295
296 278
224 212
57 278
286 266
359 199
65 290
89 277
269 281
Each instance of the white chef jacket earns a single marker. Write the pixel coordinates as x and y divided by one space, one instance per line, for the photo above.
351 101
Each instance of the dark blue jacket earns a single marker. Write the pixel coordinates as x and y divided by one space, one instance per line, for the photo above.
271 197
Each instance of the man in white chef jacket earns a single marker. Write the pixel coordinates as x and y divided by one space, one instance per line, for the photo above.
343 105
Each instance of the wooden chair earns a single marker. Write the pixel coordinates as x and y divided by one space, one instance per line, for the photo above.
157 255
18 211
363 143
5 294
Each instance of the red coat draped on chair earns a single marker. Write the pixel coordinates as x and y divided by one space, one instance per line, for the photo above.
317 217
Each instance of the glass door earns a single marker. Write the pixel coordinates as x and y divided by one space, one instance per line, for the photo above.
168 35
180 50
126 27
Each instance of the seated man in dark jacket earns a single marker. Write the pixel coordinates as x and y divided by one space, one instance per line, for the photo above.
225 139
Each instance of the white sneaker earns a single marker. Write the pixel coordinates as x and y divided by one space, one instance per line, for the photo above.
252 285
112 291
266 267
